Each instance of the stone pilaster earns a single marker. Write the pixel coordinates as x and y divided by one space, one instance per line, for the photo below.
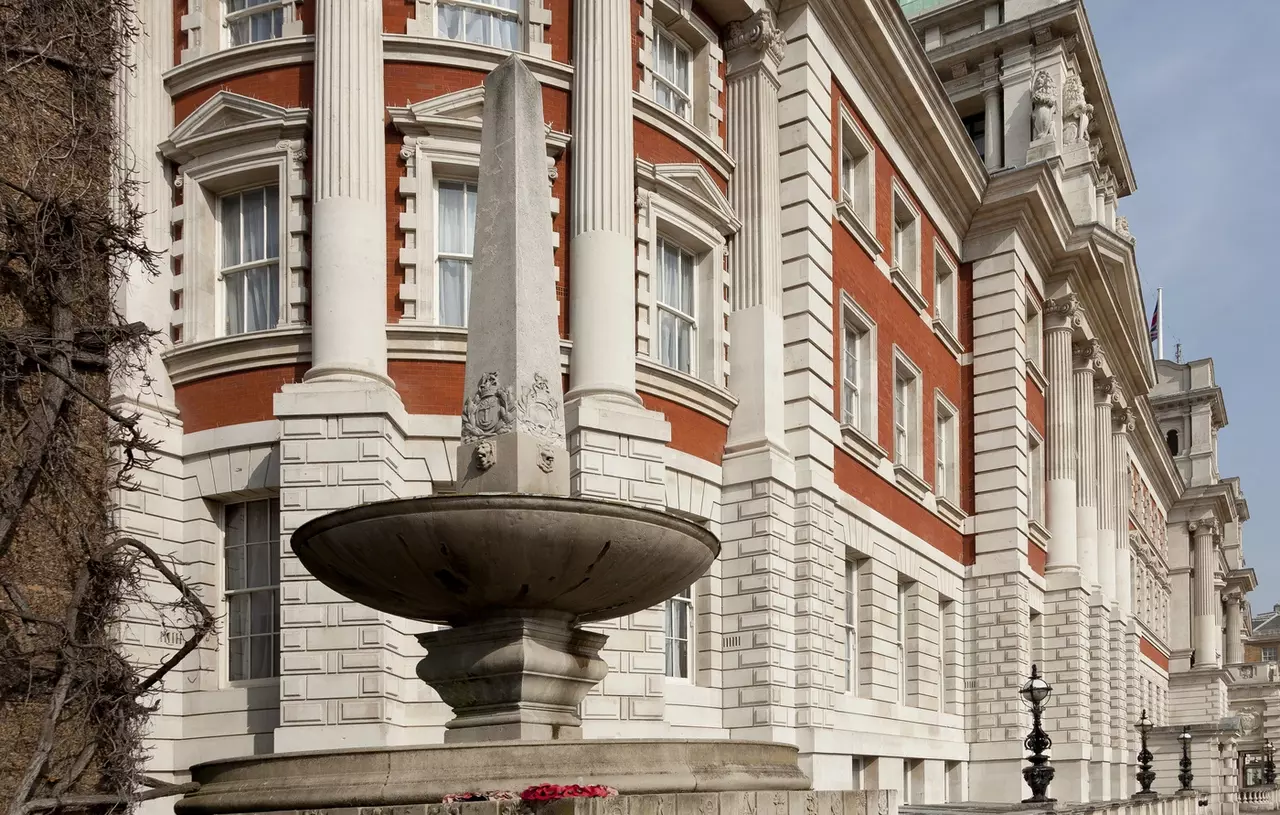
602 213
1087 476
991 97
1062 317
1124 647
1204 593
1234 652
1100 700
924 654
1104 395
349 230
756 461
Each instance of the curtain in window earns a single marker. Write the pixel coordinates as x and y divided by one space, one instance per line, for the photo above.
671 64
675 324
250 223
456 245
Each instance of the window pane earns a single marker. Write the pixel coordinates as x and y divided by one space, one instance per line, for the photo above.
238 615
262 612
686 283
457 218
477 27
507 30
233 525
237 653
263 293
229 219
685 361
455 281
262 661
234 568
258 562
449 21
233 288
259 514
253 220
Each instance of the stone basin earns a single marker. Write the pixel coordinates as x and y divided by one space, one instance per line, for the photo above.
458 559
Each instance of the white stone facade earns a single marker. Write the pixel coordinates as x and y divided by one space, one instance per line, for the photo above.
920 413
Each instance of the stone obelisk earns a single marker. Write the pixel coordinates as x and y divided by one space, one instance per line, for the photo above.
513 411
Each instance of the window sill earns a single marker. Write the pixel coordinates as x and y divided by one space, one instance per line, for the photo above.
910 482
907 288
863 446
859 230
459 54
704 145
228 62
1037 376
1038 532
950 511
948 338
683 389
287 345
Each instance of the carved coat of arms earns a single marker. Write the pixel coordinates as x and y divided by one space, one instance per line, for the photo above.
539 411
487 412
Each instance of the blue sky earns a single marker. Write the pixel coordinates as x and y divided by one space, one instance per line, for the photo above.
1198 103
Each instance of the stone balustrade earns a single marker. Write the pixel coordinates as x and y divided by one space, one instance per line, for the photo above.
1259 799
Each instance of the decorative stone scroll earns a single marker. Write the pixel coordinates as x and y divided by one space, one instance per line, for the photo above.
759 31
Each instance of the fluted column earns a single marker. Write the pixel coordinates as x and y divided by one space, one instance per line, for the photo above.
1235 625
1086 354
348 210
602 251
1104 394
992 92
1204 595
1062 317
1123 423
754 49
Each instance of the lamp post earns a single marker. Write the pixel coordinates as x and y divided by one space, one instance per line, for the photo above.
1146 776
1269 767
1184 766
1039 774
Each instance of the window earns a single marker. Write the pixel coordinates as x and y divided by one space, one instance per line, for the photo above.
906 239
1035 450
1035 335
850 626
944 292
249 21
857 174
976 127
1171 440
250 263
854 341
679 630
671 73
676 323
484 22
858 369
1269 654
946 451
902 642
252 578
906 410
455 245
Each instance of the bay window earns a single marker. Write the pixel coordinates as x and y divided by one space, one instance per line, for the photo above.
250 21
483 22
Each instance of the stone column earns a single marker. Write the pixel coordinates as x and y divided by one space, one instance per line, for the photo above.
1061 316
1122 423
1105 394
1100 618
1204 594
348 211
602 246
991 96
1086 354
754 50
1235 623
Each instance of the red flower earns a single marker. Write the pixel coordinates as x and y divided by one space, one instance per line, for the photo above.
541 793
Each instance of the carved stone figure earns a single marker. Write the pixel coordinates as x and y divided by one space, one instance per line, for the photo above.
1076 112
486 456
1122 227
1044 100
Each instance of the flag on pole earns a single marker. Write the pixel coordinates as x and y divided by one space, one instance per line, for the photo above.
1156 331
1155 323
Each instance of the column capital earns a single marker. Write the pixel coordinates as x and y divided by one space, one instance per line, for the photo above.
1204 527
1063 313
1088 354
1124 419
990 75
756 39
1105 391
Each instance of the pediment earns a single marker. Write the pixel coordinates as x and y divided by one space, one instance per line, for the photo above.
692 185
457 114
463 104
228 119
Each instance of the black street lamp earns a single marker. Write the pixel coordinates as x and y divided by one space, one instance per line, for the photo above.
1146 776
1184 766
1039 774
1269 768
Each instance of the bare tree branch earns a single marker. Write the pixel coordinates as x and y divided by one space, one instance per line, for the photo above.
113 801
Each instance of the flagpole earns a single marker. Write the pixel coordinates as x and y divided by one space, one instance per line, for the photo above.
1159 323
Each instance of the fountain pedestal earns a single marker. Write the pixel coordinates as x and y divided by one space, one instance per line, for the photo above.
513 678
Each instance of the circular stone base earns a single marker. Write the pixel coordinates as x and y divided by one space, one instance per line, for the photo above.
422 775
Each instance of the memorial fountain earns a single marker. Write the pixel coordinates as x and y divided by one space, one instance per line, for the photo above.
511 565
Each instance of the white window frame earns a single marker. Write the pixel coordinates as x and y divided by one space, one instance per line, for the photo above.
660 33
659 306
909 463
224 594
438 255
533 16
206 27
862 436
1269 653
856 206
946 450
1035 341
850 626
670 642
230 18
519 15
222 272
1036 506
906 232
946 299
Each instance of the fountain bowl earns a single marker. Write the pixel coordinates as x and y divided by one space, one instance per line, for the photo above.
457 559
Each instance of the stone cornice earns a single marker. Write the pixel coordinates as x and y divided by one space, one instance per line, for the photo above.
877 43
1187 399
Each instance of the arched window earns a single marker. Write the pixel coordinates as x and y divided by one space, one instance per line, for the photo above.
1171 439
